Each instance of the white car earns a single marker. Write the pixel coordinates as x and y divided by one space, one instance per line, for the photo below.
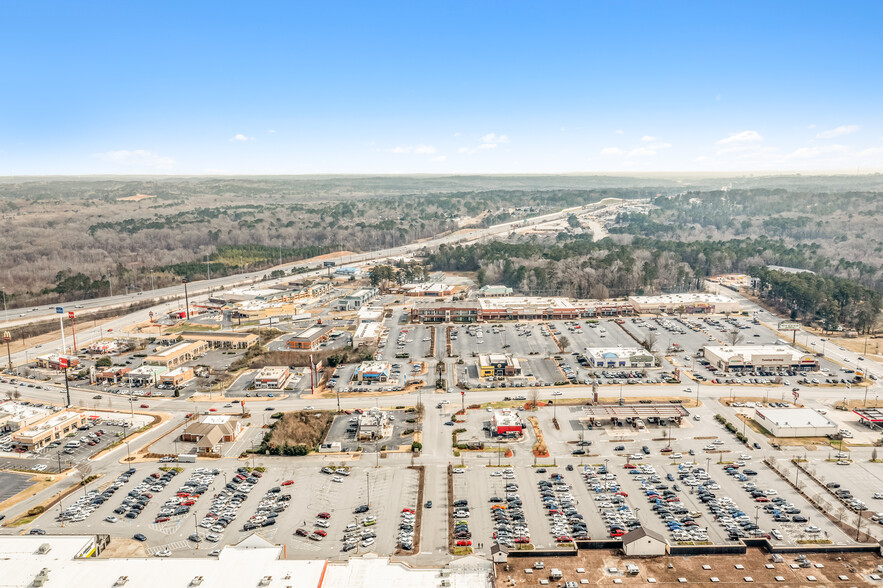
337 479
777 534
812 529
111 519
163 553
41 468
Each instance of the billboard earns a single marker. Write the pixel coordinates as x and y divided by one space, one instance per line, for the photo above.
789 326
329 263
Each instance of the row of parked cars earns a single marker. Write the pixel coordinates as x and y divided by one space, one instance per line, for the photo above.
665 502
565 521
610 500
138 498
86 505
271 505
187 495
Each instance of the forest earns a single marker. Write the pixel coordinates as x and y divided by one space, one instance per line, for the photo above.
71 238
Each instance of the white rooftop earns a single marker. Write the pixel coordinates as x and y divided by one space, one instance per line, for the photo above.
601 352
216 419
685 298
729 351
795 417
245 564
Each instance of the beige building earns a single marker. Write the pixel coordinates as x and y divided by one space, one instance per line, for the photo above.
642 542
210 432
177 354
52 429
272 377
751 358
687 303
177 377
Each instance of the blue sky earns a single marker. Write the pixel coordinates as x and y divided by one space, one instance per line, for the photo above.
440 87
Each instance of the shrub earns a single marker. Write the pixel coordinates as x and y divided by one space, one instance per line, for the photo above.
416 446
37 510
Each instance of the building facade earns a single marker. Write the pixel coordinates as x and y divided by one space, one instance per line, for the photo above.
759 358
177 354
272 378
54 428
498 364
627 357
310 338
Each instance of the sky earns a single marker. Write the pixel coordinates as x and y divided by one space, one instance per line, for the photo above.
440 87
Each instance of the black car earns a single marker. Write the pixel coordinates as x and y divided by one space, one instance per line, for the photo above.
362 508
140 537
799 519
756 445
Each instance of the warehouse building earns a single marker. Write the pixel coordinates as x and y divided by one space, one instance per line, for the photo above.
687 303
516 308
357 299
367 334
498 364
310 338
628 357
177 354
372 371
507 422
751 358
273 378
177 377
52 429
794 422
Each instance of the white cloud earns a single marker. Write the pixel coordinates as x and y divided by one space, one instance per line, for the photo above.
871 152
494 138
488 146
418 150
137 158
271 130
641 152
812 126
612 151
838 132
440 158
814 152
618 132
239 137
648 138
718 97
743 137
660 145
457 134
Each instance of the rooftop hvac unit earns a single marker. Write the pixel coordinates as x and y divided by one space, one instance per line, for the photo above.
265 581
121 581
43 549
196 581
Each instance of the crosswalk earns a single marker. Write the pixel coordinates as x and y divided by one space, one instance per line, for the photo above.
174 546
168 527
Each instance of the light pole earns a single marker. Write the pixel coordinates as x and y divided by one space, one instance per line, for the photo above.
186 299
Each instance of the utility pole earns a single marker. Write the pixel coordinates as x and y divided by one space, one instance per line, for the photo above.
368 488
7 336
63 362
60 312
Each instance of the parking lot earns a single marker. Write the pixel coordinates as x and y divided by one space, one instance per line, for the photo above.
12 484
156 495
344 430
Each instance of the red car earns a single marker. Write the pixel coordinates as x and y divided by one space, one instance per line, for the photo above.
629 466
324 515
301 533
320 533
257 474
213 410
617 533
761 499
188 503
288 482
145 406
522 540
188 415
410 510
464 543
563 539
183 494
621 493
161 519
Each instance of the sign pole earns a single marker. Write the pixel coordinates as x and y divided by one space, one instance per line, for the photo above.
60 311
7 336
62 361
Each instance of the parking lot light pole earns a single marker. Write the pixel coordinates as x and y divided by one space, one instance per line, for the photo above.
368 488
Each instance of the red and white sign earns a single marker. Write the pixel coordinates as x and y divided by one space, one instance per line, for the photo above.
795 394
70 314
62 362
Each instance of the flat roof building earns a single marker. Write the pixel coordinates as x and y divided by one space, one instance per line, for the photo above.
177 377
177 354
465 311
310 338
367 334
372 371
507 421
429 289
369 314
794 422
52 429
222 339
146 374
15 415
498 364
357 299
515 308
372 424
272 377
751 358
52 361
494 291
619 357
688 303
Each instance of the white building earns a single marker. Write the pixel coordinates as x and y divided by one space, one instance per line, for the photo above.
688 303
627 357
794 422
68 561
751 358
643 542
367 334
369 314
272 377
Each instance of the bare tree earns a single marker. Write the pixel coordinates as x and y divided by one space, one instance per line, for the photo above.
563 342
534 397
735 336
650 341
874 454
